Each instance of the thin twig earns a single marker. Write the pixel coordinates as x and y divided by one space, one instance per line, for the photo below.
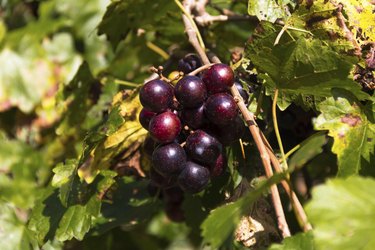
200 69
297 206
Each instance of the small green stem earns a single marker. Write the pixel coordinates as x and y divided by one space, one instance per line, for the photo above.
259 102
157 50
276 127
126 83
292 151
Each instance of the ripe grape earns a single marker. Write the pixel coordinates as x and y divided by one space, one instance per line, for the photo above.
165 127
174 195
190 91
218 78
244 94
156 96
169 159
194 118
202 147
145 117
231 132
189 63
219 166
193 178
174 212
221 109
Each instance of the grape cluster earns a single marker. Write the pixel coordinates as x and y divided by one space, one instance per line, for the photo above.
190 124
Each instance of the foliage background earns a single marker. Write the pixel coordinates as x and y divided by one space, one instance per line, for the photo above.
69 71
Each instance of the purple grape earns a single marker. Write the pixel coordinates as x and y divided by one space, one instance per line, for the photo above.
165 127
189 63
193 178
202 147
221 109
145 117
156 96
194 118
219 78
169 159
190 91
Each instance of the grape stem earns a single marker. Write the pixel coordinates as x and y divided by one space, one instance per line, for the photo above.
200 69
247 115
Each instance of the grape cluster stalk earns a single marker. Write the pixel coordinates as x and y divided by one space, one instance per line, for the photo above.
189 124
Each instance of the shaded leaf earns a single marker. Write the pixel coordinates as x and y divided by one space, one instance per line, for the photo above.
343 214
310 148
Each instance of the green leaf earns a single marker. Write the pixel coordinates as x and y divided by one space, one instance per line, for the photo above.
14 235
267 10
21 167
123 17
343 214
302 66
352 130
130 206
301 241
309 148
51 219
221 222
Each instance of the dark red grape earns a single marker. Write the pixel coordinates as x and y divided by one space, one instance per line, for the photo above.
149 145
169 159
231 132
218 78
193 178
194 118
190 91
189 63
202 147
145 117
165 127
156 96
221 109
244 94
219 166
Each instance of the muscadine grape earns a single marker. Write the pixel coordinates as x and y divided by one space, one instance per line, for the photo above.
174 195
193 178
244 94
169 159
202 147
219 166
221 109
145 117
156 95
231 132
160 181
174 212
218 78
194 118
190 91
165 127
189 63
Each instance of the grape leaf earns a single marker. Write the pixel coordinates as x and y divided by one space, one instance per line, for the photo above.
302 66
353 130
300 241
343 214
222 221
51 219
267 10
309 148
122 17
14 235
